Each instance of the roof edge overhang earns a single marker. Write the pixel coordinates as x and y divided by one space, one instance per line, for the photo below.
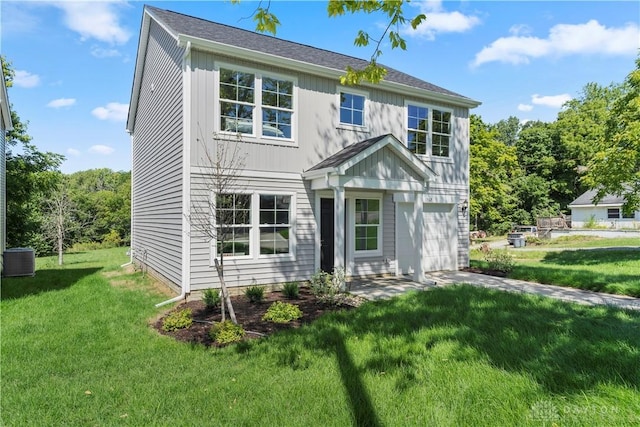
5 108
320 70
592 205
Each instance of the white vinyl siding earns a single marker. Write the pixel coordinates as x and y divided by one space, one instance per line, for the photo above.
156 233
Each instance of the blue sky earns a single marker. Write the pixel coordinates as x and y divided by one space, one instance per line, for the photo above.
74 61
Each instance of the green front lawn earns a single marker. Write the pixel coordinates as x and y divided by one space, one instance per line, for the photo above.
77 350
615 271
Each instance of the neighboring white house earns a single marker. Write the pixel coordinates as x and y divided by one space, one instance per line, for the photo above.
5 126
607 213
373 179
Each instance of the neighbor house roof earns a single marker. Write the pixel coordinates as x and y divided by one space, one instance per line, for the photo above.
268 49
586 199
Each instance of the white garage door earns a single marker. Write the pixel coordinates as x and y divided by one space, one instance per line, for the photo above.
440 237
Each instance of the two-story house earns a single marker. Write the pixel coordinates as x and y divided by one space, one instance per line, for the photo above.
373 179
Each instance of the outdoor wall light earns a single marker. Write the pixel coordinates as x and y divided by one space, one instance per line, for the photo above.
464 206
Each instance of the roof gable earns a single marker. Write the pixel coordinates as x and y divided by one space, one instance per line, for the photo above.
388 152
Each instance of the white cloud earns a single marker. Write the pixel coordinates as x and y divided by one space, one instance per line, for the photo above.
25 79
61 102
552 101
99 52
112 111
525 107
440 21
97 20
563 40
73 152
101 149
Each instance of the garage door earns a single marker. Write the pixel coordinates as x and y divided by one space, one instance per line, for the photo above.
440 237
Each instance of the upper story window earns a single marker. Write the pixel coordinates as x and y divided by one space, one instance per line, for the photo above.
352 109
255 104
277 110
237 101
429 130
418 129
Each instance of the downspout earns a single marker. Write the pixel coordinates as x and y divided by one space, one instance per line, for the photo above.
185 289
131 210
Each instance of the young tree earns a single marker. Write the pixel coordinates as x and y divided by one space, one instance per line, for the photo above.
217 208
59 219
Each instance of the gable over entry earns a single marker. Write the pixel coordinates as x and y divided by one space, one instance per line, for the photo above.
374 166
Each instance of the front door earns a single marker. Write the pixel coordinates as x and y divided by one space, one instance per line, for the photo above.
326 234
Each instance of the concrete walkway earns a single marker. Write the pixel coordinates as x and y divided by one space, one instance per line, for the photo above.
380 288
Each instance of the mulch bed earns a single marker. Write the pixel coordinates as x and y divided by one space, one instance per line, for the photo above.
249 315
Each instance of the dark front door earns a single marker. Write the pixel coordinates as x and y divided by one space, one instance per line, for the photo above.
326 234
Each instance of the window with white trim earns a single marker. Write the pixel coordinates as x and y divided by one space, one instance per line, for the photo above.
418 129
352 109
367 225
237 101
233 224
429 130
275 224
255 104
277 107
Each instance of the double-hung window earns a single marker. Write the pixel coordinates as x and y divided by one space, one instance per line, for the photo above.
255 104
275 224
277 107
367 225
428 130
352 109
233 224
237 101
613 213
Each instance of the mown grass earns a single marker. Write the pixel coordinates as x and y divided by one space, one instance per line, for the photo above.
615 271
82 353
589 242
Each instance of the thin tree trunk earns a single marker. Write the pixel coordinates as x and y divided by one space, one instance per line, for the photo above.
60 245
225 292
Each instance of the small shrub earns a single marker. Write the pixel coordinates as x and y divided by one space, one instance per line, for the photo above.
535 241
211 298
254 293
179 319
322 284
592 222
291 290
282 312
499 260
226 332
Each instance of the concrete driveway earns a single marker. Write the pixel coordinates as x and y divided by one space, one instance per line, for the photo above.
380 288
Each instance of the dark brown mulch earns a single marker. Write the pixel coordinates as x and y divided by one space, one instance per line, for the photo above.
249 315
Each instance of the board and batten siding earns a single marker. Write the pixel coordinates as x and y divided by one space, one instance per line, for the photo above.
258 270
156 235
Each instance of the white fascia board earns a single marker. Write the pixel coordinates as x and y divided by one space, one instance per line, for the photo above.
604 205
319 173
379 184
5 113
279 61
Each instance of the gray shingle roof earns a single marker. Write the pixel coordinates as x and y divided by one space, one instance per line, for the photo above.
586 198
212 31
346 153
